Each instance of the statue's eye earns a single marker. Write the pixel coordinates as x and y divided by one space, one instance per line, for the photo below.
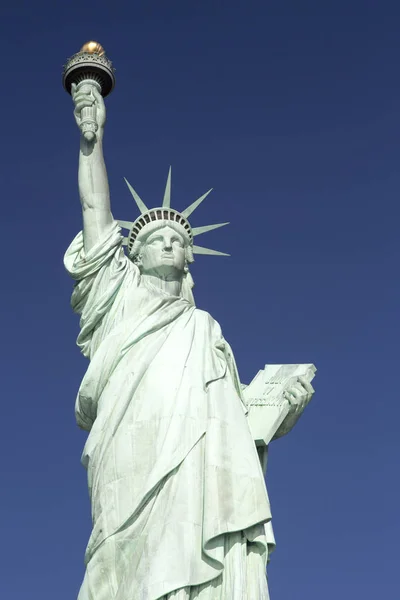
155 239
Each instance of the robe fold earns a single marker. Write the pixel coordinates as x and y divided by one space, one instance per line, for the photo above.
177 492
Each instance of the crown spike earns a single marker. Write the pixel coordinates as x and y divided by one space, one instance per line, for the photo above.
125 224
205 228
167 194
140 204
188 211
201 250
125 241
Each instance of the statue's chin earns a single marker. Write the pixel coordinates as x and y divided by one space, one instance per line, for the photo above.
165 270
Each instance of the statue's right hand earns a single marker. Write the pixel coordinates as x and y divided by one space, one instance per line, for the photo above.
88 96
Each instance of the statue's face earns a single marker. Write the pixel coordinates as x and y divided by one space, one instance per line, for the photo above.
163 253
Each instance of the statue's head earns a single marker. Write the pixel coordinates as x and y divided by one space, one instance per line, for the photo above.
162 238
162 247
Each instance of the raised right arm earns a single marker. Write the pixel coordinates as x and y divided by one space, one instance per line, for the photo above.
92 176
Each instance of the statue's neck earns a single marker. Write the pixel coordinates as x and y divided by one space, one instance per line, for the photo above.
172 287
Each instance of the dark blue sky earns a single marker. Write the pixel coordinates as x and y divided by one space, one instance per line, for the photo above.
291 111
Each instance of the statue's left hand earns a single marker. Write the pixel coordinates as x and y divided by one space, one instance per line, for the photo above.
299 395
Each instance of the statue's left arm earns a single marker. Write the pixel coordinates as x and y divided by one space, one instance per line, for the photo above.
275 405
298 397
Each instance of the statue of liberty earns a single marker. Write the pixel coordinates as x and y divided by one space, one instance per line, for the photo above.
179 505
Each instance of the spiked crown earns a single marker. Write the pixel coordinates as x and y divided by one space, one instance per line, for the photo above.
165 213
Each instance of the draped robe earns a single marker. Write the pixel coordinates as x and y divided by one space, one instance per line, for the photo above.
178 498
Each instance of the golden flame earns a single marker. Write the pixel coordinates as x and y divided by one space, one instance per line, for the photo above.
93 48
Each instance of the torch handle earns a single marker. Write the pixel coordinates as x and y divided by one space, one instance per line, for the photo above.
88 124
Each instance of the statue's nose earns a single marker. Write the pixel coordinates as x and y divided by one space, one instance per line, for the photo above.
167 244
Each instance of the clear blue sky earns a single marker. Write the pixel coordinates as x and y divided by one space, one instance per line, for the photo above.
291 111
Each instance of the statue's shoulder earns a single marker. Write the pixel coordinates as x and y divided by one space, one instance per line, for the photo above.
203 314
204 317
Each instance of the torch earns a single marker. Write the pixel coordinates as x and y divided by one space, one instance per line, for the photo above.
89 68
